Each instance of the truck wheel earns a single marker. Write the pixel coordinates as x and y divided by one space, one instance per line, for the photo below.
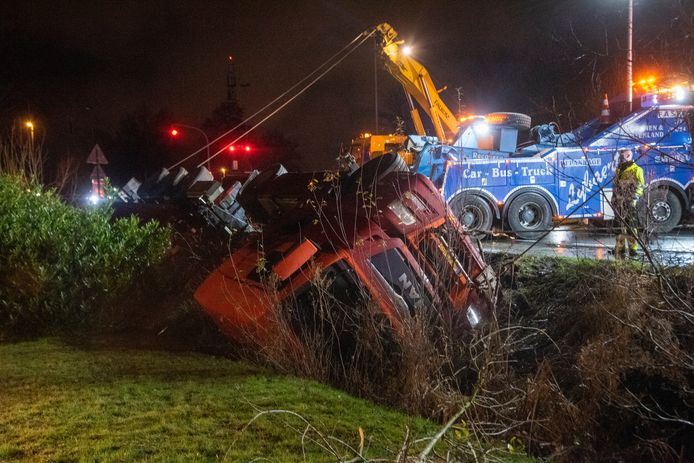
516 120
375 169
661 211
473 213
529 216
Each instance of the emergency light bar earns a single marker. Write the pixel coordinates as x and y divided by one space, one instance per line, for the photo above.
678 94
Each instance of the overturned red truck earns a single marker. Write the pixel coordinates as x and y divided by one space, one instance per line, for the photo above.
380 235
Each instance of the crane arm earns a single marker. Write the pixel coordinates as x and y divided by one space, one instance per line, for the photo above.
417 84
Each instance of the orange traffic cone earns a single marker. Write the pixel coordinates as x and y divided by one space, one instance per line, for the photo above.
605 112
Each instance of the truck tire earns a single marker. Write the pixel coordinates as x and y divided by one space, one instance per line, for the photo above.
660 211
516 120
376 169
474 214
529 215
248 196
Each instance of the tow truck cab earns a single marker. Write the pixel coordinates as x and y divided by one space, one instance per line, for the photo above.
378 236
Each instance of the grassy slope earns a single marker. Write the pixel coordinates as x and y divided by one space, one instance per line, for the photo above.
63 403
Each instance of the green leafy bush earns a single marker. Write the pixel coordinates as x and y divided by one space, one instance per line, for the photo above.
60 266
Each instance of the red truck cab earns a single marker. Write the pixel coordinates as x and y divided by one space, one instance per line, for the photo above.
381 235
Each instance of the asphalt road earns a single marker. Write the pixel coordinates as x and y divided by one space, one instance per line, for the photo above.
674 248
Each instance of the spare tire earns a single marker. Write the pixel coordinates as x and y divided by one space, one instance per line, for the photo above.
376 169
515 120
248 196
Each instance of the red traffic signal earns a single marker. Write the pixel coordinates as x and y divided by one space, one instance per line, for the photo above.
246 148
174 132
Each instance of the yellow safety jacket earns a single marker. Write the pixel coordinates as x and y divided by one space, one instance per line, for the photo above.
629 181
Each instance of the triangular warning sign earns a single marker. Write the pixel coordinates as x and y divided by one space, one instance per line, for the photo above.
97 156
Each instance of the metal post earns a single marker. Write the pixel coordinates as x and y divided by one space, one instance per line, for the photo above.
376 130
207 140
630 59
30 126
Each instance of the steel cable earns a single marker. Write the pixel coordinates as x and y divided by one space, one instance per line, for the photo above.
309 85
365 34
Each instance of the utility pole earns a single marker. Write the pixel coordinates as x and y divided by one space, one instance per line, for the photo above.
630 58
459 91
231 80
376 88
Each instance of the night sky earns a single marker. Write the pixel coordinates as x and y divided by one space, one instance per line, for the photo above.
83 66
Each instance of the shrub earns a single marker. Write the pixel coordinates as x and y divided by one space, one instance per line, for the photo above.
61 266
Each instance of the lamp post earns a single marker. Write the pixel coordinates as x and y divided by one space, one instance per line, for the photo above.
30 125
174 132
630 60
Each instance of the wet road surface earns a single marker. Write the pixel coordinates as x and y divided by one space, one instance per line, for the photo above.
674 248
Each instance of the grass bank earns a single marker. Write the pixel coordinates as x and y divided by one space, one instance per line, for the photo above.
63 403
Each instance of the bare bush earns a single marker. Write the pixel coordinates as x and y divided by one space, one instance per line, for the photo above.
22 156
599 364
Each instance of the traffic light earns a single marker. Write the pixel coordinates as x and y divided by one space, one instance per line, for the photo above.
246 148
174 132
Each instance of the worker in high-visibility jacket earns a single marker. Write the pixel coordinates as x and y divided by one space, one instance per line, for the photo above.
627 189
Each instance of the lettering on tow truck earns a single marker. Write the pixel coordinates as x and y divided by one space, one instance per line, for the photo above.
670 114
496 172
469 173
529 171
671 157
654 131
578 194
582 162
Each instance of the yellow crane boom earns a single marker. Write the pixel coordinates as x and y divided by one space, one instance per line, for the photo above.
417 84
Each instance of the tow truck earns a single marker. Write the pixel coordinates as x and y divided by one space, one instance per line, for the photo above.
570 174
488 178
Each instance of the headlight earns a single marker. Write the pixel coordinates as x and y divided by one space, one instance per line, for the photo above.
678 93
473 315
481 128
399 209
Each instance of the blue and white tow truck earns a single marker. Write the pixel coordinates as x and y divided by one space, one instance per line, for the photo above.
488 179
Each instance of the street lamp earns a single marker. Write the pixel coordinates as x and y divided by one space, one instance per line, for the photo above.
630 33
30 125
174 132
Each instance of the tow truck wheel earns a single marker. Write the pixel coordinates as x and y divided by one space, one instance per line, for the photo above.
661 211
474 214
529 216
